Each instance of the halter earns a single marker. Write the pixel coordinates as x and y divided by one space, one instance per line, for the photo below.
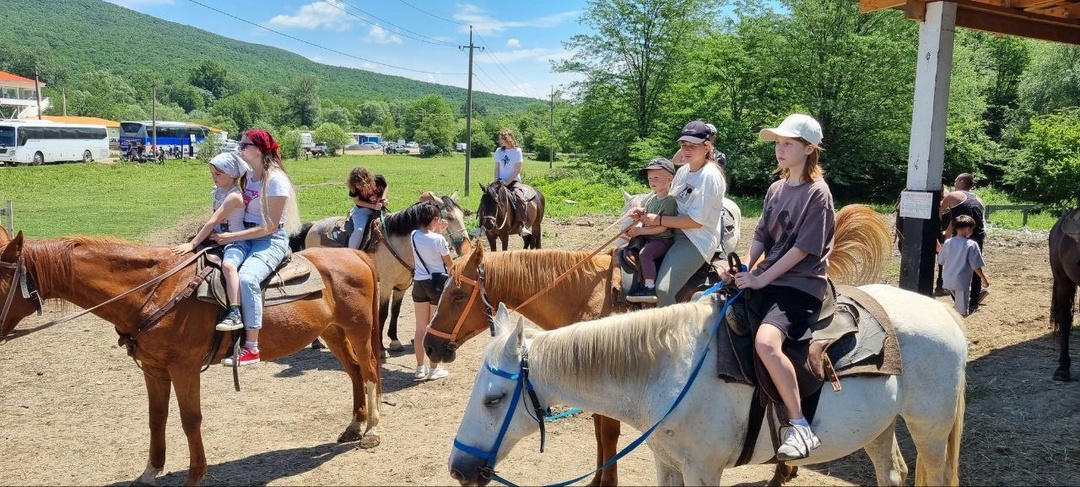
538 413
456 240
478 289
499 208
26 285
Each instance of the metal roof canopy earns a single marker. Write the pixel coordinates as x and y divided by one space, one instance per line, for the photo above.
1048 20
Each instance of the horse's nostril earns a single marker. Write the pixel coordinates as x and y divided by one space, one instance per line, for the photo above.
454 474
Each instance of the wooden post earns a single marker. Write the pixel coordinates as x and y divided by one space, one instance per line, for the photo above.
9 218
926 153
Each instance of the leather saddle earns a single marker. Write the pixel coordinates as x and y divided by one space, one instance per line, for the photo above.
853 336
626 276
294 279
337 234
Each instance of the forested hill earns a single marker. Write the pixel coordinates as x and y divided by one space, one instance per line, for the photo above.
72 37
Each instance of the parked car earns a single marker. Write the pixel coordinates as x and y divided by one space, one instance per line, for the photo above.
318 150
460 146
369 145
412 145
402 149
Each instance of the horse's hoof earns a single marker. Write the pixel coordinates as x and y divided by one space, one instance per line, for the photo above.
1062 375
350 436
369 441
396 346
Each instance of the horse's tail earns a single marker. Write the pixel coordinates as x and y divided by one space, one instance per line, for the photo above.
296 240
952 449
1063 291
862 246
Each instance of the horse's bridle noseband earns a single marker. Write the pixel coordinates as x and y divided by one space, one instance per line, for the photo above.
478 290
538 413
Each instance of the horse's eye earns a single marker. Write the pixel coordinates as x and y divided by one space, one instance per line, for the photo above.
494 400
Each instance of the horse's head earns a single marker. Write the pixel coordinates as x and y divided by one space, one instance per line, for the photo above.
14 285
493 211
463 309
498 413
451 211
630 201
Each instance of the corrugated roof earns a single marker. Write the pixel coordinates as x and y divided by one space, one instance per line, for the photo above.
89 120
14 77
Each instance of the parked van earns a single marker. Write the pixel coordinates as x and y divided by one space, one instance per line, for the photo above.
306 143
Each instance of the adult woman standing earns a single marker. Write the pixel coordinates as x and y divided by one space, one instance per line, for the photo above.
257 250
699 190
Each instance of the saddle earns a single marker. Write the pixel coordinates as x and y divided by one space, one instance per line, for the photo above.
294 279
1070 225
337 235
852 336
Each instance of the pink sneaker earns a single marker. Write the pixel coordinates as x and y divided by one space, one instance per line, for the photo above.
247 357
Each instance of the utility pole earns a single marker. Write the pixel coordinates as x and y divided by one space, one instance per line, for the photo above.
37 90
468 111
153 117
63 98
551 162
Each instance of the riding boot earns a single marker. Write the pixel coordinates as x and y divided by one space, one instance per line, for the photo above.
521 213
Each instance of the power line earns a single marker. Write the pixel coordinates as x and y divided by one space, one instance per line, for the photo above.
514 80
414 35
481 80
297 39
431 14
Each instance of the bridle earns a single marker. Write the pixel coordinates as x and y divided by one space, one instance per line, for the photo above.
478 290
26 285
456 240
498 197
538 413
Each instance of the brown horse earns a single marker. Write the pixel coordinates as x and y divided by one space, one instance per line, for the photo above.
861 250
391 249
1065 267
171 348
496 215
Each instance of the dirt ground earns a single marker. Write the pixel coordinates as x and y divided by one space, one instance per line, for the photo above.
73 407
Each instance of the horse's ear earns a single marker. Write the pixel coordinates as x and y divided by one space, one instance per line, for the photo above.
502 320
482 187
453 196
626 196
13 248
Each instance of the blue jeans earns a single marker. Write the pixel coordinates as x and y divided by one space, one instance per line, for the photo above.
359 217
256 259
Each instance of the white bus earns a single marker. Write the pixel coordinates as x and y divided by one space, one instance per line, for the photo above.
40 141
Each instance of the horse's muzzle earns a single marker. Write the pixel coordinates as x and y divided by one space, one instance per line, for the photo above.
468 469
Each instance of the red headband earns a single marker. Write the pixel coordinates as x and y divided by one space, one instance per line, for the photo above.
263 141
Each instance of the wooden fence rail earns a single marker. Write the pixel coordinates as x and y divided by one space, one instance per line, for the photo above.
1023 209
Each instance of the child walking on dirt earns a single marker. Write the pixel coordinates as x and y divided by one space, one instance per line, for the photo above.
432 256
959 258
794 236
230 174
656 239
368 193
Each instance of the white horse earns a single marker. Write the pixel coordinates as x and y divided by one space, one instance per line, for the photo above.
649 355
730 221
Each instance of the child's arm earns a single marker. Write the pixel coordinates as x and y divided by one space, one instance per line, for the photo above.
982 275
231 202
793 256
637 230
364 204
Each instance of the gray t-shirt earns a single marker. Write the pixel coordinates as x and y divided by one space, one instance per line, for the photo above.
802 217
959 257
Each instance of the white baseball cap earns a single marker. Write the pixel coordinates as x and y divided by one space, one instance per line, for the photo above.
795 126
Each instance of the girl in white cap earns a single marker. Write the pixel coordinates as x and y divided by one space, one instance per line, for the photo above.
230 173
794 237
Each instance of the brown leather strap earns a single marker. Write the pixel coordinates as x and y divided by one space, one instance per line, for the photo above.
378 232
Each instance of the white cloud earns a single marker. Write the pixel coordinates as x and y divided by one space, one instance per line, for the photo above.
485 24
379 35
324 14
513 43
537 54
139 3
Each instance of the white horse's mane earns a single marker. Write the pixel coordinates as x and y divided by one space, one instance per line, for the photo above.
627 348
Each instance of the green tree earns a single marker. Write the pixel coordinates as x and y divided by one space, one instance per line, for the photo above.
333 135
1053 81
290 144
430 120
103 94
637 50
248 108
188 97
209 76
1048 165
337 115
302 103
371 113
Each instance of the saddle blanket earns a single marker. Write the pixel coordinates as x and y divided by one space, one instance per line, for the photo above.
294 280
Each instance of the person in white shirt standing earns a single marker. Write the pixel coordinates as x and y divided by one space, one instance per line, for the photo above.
431 255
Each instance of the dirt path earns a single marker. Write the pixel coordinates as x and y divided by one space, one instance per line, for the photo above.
73 407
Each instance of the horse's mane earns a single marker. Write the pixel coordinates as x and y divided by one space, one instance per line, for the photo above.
527 271
403 222
626 348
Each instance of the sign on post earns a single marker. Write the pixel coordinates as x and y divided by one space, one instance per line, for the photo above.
916 204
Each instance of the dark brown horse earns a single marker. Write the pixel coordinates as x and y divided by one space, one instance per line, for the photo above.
496 215
861 250
171 348
1065 267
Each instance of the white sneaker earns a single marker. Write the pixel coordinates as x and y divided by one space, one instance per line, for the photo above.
438 373
798 441
421 372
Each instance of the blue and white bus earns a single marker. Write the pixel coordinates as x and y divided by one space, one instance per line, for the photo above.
39 141
169 134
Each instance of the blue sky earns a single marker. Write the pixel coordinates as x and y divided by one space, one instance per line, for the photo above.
416 39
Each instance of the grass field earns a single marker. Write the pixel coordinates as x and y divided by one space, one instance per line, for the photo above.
135 200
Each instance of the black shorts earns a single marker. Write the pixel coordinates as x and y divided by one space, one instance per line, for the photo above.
786 308
422 292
